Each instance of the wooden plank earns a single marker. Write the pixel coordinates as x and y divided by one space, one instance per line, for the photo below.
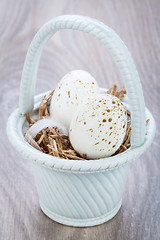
137 23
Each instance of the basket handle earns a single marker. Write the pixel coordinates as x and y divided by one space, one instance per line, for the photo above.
117 49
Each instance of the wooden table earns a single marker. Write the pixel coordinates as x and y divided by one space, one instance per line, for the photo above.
137 23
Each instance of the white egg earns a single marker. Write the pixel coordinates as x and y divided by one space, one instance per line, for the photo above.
74 89
98 127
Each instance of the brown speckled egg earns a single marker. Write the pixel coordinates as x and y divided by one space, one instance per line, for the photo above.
98 127
74 89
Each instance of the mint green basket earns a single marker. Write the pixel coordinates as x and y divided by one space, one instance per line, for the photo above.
74 192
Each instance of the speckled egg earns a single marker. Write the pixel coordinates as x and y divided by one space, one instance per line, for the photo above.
98 127
74 89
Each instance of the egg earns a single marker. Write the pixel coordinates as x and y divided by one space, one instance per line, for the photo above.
98 127
74 89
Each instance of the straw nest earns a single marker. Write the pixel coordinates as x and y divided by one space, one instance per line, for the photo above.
51 142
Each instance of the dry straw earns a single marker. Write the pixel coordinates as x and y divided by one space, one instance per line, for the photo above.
51 142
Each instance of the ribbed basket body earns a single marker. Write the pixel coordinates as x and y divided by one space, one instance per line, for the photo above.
77 193
80 199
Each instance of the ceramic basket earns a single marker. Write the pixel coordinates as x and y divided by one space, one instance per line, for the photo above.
74 192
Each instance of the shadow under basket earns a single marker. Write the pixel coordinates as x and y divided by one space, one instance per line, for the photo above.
76 192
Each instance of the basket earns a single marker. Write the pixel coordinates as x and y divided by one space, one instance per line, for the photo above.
75 192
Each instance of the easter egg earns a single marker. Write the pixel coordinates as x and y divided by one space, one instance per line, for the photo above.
74 89
98 127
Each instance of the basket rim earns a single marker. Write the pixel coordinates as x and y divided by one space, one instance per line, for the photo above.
15 134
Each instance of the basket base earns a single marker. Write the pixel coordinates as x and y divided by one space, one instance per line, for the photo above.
81 222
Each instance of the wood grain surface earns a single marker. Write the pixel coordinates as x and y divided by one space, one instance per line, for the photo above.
138 24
